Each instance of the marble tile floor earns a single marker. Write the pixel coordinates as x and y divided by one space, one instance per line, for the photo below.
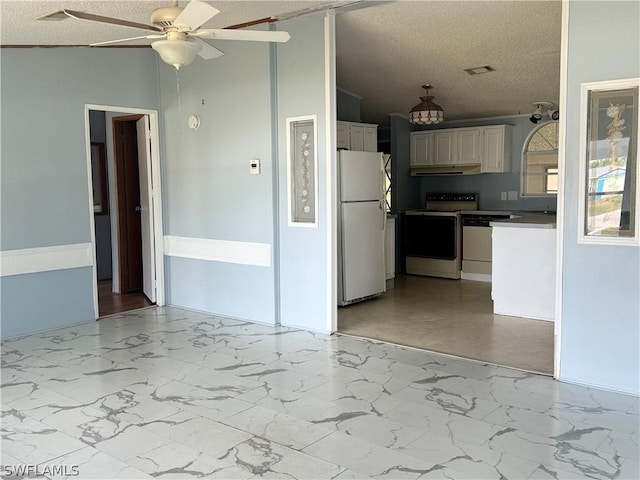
454 317
168 393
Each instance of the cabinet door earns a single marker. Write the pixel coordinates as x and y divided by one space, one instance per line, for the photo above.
421 149
445 148
356 138
342 135
370 139
496 151
469 145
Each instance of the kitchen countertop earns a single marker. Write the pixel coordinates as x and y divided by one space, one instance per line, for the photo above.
486 212
527 220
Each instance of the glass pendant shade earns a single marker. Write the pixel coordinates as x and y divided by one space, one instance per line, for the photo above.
426 112
177 52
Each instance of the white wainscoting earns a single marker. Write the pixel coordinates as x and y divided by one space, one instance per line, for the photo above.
245 253
45 259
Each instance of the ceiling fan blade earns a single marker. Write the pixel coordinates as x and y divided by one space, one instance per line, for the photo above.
246 35
208 51
196 13
109 20
109 42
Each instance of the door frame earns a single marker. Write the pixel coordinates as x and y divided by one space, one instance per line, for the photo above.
332 185
158 239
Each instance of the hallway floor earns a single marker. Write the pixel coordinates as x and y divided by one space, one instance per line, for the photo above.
110 303
454 317
167 393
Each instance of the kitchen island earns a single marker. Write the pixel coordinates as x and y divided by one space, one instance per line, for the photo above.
524 265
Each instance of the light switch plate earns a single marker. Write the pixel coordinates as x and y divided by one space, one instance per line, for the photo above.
254 166
513 195
503 196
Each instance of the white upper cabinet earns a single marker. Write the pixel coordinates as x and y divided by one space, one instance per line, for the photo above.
496 151
361 137
342 135
445 147
490 147
469 145
356 138
371 138
421 149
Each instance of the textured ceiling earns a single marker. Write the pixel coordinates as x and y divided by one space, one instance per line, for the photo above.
384 52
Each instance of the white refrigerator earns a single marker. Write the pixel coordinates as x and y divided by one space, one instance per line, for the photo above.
361 225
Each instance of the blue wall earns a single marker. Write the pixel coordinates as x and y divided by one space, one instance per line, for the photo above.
601 284
208 191
348 106
302 90
487 185
44 184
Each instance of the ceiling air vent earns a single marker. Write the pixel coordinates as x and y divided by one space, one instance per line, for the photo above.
480 70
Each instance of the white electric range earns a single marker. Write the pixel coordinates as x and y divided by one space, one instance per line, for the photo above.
433 235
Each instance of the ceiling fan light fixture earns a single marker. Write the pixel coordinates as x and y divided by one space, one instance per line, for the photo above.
427 112
177 52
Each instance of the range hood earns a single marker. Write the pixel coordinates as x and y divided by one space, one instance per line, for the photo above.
459 169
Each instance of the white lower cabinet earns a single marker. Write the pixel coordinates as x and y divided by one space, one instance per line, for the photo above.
476 253
524 272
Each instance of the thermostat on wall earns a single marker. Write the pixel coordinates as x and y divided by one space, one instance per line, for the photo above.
193 122
254 166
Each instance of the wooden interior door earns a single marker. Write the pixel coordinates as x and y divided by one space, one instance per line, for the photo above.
128 186
146 205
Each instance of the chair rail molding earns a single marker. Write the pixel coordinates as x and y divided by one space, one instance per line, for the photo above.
44 259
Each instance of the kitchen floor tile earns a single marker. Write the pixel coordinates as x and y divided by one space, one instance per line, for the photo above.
453 317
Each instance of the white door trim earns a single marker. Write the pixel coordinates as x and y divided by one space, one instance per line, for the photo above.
332 182
562 142
158 243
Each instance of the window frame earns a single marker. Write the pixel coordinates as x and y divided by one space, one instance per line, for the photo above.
583 238
523 161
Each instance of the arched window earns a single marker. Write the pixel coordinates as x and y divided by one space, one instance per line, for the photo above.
540 161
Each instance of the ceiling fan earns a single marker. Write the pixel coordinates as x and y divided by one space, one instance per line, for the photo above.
177 33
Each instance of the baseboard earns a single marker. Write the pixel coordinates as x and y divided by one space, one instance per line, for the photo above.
478 277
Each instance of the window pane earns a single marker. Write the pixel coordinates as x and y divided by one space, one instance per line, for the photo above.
539 159
552 180
604 214
611 145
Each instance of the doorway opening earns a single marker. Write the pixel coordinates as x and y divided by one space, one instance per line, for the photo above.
431 311
126 233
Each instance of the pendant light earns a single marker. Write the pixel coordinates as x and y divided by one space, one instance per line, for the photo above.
426 112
